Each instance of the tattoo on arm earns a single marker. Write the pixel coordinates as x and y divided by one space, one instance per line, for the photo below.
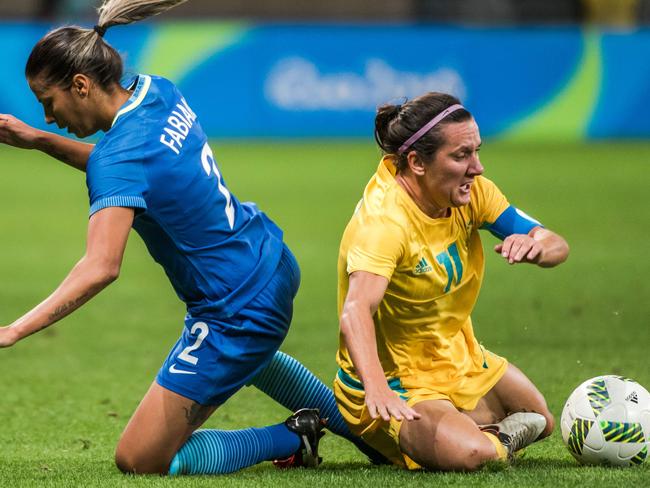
62 310
197 414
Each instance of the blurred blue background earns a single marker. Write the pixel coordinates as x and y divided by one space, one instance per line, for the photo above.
528 70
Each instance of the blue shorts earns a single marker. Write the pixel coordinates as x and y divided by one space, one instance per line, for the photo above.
215 358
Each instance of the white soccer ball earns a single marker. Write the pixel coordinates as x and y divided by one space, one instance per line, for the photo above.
606 420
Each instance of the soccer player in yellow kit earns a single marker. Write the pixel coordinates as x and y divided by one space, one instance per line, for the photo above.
414 382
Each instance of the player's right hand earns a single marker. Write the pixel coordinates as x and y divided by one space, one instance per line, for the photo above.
17 133
385 403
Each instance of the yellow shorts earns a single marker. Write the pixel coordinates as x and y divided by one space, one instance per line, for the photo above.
384 436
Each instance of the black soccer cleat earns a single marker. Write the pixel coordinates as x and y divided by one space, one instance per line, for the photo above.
308 425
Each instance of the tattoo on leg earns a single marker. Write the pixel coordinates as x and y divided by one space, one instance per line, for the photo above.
197 414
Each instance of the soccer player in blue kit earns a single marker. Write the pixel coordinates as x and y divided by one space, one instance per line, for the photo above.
154 171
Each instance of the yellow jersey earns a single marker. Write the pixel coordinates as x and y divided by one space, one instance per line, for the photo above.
435 269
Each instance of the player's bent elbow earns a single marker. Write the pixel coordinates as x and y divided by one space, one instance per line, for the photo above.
107 275
100 272
104 272
111 274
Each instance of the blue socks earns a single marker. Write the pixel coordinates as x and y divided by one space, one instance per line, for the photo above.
294 387
226 451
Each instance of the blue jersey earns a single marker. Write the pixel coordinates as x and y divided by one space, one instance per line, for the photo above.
217 252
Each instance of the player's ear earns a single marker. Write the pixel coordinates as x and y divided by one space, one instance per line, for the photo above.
415 163
81 85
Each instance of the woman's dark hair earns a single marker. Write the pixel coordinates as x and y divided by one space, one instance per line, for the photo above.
66 51
395 124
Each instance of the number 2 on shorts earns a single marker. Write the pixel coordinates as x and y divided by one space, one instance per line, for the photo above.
202 329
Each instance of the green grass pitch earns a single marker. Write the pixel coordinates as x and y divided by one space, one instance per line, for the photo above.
66 393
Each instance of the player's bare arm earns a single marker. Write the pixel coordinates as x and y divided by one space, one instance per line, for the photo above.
15 132
108 232
365 292
540 246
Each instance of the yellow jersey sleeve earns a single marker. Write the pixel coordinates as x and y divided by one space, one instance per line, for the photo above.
490 202
376 247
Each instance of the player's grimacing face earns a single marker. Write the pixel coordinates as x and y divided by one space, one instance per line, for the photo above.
449 177
63 107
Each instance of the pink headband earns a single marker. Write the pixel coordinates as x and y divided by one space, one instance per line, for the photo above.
409 142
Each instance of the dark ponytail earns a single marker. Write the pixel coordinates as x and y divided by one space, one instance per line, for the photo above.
66 51
395 124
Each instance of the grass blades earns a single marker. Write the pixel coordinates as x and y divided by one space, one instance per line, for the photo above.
67 392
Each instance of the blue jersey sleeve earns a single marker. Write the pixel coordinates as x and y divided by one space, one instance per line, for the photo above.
116 182
511 221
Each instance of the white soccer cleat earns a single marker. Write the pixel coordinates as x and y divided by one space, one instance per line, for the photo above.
517 430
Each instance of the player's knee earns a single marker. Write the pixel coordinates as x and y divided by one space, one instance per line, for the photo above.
480 453
471 457
130 462
124 462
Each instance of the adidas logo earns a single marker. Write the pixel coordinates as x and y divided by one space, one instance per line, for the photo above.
632 397
423 267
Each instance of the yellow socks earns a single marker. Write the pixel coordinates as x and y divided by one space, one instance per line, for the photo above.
502 453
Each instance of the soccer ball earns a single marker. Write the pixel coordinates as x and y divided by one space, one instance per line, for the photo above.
606 420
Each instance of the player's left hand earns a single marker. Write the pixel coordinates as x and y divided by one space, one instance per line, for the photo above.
8 336
520 248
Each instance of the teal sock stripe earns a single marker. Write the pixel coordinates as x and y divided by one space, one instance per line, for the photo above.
293 386
222 451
